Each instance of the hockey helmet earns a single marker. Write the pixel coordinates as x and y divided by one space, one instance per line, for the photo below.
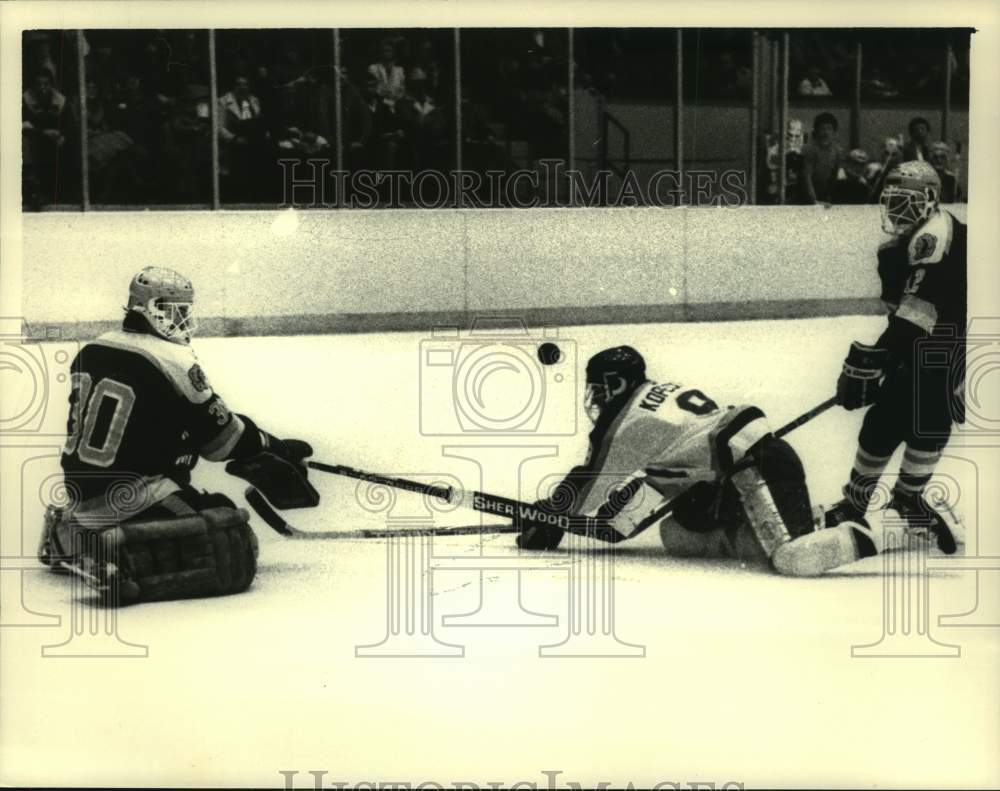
910 196
611 373
165 298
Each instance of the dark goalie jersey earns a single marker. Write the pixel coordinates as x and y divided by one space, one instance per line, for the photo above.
141 412
924 278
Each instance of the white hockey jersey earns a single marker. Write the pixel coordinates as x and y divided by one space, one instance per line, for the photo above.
671 434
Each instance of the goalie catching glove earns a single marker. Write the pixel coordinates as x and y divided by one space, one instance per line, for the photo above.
859 380
276 468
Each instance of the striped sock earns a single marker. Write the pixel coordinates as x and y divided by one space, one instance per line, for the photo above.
864 478
916 470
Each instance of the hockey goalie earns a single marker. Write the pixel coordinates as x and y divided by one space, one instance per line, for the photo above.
141 414
741 491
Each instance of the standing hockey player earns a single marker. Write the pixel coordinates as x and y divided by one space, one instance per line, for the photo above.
141 413
913 376
653 441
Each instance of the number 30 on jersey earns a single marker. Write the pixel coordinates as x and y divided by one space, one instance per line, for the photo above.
98 416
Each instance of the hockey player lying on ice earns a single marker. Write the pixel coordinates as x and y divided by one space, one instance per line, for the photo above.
141 413
743 491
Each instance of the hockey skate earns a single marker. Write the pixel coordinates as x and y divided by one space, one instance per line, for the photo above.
924 518
50 553
843 511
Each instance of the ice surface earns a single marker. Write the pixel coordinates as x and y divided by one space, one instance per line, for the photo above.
741 668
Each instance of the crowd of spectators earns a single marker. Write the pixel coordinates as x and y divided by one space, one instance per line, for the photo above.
147 113
396 108
822 171
906 65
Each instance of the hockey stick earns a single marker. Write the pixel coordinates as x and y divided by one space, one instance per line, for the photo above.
479 501
665 509
483 502
277 523
805 417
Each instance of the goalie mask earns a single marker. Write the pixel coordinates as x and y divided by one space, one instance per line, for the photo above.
165 298
910 196
610 374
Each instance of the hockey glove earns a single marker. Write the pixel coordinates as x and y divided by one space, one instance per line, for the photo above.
277 469
859 380
539 536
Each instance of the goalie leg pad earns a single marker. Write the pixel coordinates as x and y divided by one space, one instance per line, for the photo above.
815 553
762 513
211 553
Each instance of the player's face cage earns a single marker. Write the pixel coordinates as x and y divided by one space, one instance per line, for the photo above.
903 208
598 394
174 321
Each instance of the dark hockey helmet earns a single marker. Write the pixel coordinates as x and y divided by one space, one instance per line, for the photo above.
611 373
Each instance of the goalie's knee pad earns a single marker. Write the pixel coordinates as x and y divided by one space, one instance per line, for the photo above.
212 552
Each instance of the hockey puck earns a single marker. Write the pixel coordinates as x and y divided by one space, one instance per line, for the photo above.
549 354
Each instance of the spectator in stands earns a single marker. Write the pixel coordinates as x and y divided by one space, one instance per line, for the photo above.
426 127
821 159
726 79
187 154
239 111
42 138
877 86
877 171
136 114
940 159
918 146
794 141
240 135
112 156
373 132
390 80
852 184
36 54
814 84
306 143
427 63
